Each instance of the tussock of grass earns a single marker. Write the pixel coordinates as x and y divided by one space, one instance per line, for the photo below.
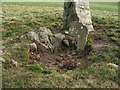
37 68
89 45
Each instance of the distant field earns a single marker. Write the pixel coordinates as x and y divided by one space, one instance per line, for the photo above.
102 6
41 4
105 6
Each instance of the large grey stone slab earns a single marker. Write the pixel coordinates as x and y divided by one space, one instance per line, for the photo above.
77 10
79 33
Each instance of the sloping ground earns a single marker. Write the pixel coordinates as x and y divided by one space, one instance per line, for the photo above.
94 72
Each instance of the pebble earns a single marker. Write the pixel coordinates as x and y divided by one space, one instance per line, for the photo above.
66 32
112 65
14 63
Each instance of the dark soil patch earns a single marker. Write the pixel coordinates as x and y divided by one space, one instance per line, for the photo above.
59 61
99 39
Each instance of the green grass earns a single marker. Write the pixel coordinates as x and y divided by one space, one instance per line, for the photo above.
102 6
18 20
40 4
37 68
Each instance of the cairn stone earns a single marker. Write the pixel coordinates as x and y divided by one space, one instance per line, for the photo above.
33 47
45 39
44 35
33 36
57 39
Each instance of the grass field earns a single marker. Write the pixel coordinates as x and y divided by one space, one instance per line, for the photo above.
106 6
20 18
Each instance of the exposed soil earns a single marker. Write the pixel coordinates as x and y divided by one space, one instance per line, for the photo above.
59 61
98 37
66 59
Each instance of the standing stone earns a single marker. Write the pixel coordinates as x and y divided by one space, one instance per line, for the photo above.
77 10
77 20
79 33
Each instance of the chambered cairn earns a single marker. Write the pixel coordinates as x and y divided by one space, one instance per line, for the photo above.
77 25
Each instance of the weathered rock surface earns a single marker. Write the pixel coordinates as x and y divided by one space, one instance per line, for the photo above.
45 39
112 65
57 39
77 20
33 36
33 47
77 10
79 33
44 35
66 42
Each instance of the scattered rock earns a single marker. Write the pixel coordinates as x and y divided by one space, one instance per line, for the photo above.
112 65
66 42
58 59
60 66
8 40
38 56
44 35
22 37
70 56
14 63
78 64
2 60
59 36
42 42
56 40
66 33
61 55
45 30
33 47
33 37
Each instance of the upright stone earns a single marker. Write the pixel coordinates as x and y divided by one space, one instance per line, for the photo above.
79 33
77 20
77 10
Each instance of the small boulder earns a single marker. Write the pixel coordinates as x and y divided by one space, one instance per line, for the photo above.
2 60
33 47
45 30
33 37
59 36
44 35
112 65
14 63
66 33
66 42
57 39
